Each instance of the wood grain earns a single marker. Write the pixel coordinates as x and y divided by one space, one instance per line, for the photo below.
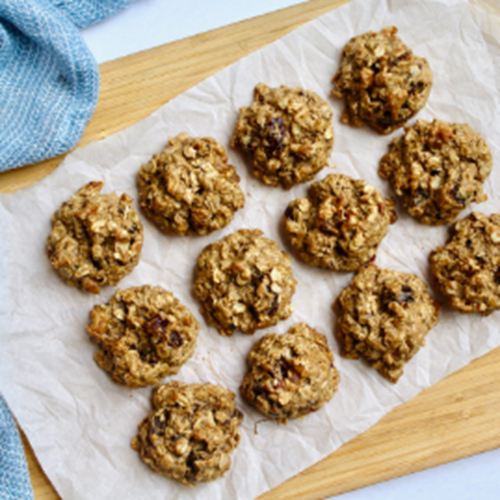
453 419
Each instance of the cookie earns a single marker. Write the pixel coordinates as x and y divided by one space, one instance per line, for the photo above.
340 224
144 334
467 268
290 375
383 83
189 188
191 432
289 133
437 169
244 281
384 316
96 239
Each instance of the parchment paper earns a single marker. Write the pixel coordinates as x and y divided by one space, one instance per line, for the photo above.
79 422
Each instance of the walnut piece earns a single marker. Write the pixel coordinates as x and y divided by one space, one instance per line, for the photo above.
384 84
288 131
244 281
144 334
437 169
467 268
191 432
189 188
340 224
384 316
96 239
290 375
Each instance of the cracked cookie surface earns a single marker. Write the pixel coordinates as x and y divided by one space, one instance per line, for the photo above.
384 316
290 375
189 188
96 239
289 133
144 334
244 281
191 432
437 169
384 84
467 268
340 224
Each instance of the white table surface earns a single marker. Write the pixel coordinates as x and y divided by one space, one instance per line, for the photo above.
155 22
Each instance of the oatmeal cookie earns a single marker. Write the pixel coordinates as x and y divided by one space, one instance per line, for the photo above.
384 316
340 224
191 432
245 282
437 169
384 84
288 131
96 239
290 375
467 268
189 188
144 334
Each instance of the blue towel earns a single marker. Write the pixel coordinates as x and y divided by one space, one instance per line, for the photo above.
14 479
49 80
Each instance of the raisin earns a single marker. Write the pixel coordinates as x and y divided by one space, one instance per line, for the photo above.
454 193
175 339
289 213
434 172
157 326
275 137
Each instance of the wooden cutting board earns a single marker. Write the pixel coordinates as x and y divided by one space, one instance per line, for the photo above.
456 418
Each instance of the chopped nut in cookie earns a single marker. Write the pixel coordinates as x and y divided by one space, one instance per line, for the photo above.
340 224
191 432
467 268
144 334
384 84
290 375
189 188
289 133
437 169
96 239
384 316
244 281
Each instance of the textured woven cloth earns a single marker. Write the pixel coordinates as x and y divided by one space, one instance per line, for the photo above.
14 479
49 79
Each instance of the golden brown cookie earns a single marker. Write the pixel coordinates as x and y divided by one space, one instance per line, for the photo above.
384 84
384 316
96 239
191 432
467 268
437 169
340 224
144 334
289 133
189 188
244 281
290 375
